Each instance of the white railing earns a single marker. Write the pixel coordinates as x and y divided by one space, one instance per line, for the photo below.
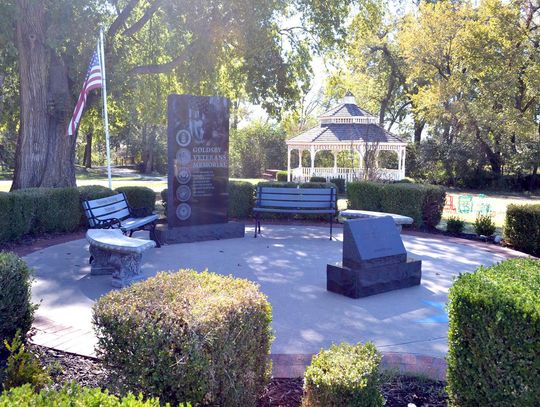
348 174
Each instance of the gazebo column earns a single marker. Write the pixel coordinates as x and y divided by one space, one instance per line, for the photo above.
288 164
402 167
336 175
312 151
361 149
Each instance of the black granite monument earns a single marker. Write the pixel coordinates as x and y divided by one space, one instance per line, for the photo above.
374 260
198 176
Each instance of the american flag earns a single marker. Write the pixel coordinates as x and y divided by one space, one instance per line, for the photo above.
93 81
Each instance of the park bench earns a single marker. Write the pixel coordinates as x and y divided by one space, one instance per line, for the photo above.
114 253
294 201
114 212
399 220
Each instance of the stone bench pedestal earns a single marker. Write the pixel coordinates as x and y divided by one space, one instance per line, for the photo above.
116 254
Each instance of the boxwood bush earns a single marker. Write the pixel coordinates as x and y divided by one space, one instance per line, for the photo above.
141 199
281 175
187 336
48 210
454 225
423 203
317 179
344 375
16 309
339 183
494 336
241 199
71 395
522 228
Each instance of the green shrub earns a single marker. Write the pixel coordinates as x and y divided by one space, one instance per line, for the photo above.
344 375
16 310
454 225
339 183
364 195
49 210
199 337
317 179
281 175
23 367
241 199
71 395
494 336
141 199
522 228
15 217
88 193
423 203
484 225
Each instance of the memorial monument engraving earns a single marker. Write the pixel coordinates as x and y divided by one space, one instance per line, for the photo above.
374 260
198 170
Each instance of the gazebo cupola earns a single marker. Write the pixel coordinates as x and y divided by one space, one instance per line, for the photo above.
346 127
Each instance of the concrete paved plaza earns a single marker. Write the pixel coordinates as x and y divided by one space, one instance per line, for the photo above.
289 263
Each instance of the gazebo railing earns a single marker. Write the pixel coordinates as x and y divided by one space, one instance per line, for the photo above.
348 174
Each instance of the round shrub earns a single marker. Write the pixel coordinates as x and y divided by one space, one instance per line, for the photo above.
317 179
454 225
522 228
344 375
483 225
339 183
187 336
70 395
141 199
281 175
494 336
16 310
241 199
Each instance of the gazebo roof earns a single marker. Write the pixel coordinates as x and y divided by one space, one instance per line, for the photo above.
336 133
346 123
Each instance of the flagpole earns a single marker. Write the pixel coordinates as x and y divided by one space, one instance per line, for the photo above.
105 114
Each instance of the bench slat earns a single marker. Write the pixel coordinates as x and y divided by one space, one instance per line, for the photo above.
297 191
277 210
294 204
109 200
284 197
110 211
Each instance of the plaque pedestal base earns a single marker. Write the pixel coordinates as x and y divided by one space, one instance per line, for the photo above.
199 233
371 280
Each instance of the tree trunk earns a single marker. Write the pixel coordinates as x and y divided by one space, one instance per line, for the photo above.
45 156
418 129
87 159
31 155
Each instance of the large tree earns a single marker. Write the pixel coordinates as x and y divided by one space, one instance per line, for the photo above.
200 43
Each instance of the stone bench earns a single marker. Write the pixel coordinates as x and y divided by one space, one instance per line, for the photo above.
114 253
399 220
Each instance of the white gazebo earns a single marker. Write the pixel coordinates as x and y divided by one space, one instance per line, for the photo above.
348 128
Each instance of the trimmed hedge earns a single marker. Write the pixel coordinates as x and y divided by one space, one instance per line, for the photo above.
16 309
423 203
199 337
522 228
344 375
317 179
281 175
71 395
48 210
241 199
494 336
90 192
141 199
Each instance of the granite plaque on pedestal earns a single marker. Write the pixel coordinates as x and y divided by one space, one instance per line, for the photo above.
374 260
198 170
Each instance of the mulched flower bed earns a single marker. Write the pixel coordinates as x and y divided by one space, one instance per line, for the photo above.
398 390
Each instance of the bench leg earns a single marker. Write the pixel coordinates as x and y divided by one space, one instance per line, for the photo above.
100 261
256 223
153 235
127 268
